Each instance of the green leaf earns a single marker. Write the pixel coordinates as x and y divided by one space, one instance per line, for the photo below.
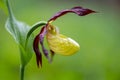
19 31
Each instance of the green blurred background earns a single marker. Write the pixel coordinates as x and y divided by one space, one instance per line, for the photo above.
98 34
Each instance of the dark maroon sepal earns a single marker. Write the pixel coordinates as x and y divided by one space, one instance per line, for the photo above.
77 10
82 11
37 52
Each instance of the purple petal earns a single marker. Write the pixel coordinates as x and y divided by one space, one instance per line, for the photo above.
37 52
41 38
43 31
45 51
77 10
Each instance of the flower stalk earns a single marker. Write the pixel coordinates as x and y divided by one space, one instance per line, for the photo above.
22 70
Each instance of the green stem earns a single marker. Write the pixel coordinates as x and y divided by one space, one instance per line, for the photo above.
9 10
22 66
22 70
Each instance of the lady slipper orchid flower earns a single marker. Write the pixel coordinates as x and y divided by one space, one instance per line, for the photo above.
57 42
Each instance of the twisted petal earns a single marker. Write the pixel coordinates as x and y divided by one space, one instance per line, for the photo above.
77 10
37 52
41 39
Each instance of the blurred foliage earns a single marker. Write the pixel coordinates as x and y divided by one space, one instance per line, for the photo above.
2 6
98 35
